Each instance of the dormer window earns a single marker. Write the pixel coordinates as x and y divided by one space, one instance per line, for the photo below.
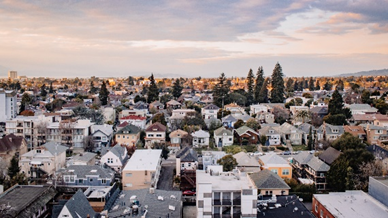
38 151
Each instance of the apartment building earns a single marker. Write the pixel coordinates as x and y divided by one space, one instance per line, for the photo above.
8 105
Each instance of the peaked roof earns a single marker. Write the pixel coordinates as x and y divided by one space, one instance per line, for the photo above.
319 110
119 151
229 118
222 130
10 142
314 162
54 148
329 155
187 154
129 129
156 127
200 133
240 131
244 160
79 206
266 179
178 133
273 159
211 107
173 102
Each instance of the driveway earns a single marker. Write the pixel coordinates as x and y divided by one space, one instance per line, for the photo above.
167 175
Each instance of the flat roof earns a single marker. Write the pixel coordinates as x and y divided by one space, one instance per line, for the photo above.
224 181
146 159
352 204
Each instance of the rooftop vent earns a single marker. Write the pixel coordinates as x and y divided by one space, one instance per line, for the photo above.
170 207
160 198
93 171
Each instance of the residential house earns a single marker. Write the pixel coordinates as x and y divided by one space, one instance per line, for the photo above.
128 136
296 109
356 131
349 204
210 158
155 133
319 111
84 176
131 112
375 134
178 115
234 109
141 106
109 114
329 155
200 138
44 160
272 134
246 136
357 119
269 183
102 135
246 163
305 128
180 138
222 194
156 105
136 120
186 160
361 109
265 117
258 109
115 158
228 121
147 203
223 137
77 206
308 166
86 158
381 120
288 203
329 132
10 146
209 111
276 164
27 201
142 170
102 197
291 133
172 104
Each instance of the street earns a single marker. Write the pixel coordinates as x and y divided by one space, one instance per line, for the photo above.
167 175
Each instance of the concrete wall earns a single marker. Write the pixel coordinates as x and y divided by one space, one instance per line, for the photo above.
378 189
137 179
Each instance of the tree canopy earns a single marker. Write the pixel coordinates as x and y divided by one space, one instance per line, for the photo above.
277 92
228 162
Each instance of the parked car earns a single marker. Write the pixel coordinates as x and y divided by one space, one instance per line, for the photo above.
287 153
188 193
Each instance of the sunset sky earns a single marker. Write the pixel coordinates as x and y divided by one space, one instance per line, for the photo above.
69 38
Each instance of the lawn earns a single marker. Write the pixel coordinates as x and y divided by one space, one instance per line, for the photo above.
300 147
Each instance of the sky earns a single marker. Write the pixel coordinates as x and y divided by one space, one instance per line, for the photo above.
170 38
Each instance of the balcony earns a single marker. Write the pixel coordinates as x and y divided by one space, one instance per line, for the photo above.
216 202
226 202
236 201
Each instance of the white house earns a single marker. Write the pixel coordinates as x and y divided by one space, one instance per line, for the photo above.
210 111
200 138
186 159
77 206
135 120
8 105
102 134
109 114
272 134
223 137
258 108
155 133
115 158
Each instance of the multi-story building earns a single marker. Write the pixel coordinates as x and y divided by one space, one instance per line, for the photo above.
276 164
129 135
374 134
12 75
142 170
223 137
200 138
225 194
8 105
138 120
155 133
85 175
209 111
10 146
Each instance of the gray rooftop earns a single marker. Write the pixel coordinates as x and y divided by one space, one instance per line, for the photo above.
83 170
220 131
54 148
240 131
170 206
266 179
310 160
79 206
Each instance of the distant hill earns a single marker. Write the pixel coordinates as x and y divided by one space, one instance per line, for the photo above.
382 72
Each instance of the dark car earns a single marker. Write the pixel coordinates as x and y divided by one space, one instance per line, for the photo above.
188 193
287 153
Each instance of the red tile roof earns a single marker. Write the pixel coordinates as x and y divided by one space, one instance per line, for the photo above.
133 117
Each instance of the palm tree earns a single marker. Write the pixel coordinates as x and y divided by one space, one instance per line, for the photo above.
303 114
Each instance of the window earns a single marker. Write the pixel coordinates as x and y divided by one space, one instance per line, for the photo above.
230 139
91 180
183 165
128 175
285 172
103 181
189 164
158 135
128 185
275 171
268 192
110 160
72 179
321 213
80 181
145 172
118 136
316 208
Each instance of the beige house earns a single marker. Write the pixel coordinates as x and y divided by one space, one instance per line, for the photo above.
142 170
11 145
374 134
128 135
269 183
155 133
45 159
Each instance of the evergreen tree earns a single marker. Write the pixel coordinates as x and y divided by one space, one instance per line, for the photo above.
311 84
103 95
13 168
317 85
290 86
296 85
92 89
250 87
220 91
277 92
26 100
153 91
310 140
130 81
51 90
301 85
17 85
259 83
365 97
336 104
340 85
327 86
43 91
306 84
263 96
177 88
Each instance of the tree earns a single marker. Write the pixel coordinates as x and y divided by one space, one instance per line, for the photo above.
303 114
327 86
381 106
131 81
159 118
365 97
250 88
153 91
222 112
335 104
280 114
88 143
253 124
263 96
311 84
340 85
263 139
228 162
26 100
103 95
43 91
307 95
220 91
290 86
310 139
277 92
177 88
239 123
336 176
258 83
338 119
51 90
317 85
13 168
238 98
